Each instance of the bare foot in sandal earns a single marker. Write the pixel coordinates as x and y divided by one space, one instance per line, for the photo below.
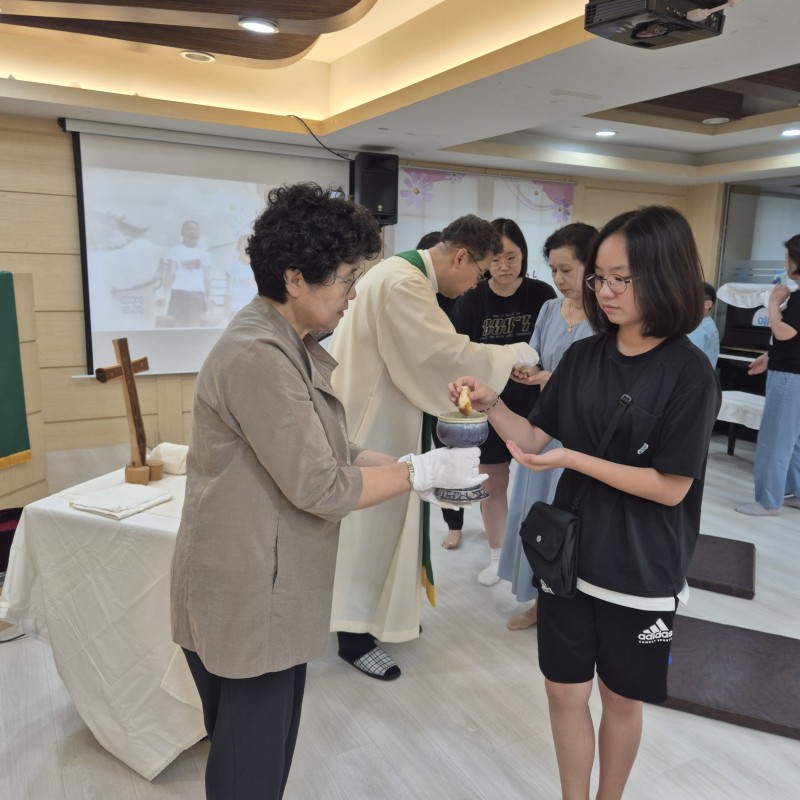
525 619
452 541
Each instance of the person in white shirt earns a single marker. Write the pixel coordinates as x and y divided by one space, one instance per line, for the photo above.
188 278
706 335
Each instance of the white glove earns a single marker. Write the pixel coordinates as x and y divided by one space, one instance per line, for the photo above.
446 468
524 354
429 496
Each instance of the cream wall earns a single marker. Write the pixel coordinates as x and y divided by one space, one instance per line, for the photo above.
39 238
596 201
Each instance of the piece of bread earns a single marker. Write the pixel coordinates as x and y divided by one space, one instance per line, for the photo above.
464 404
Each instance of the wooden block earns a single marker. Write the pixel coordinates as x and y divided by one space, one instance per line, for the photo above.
137 474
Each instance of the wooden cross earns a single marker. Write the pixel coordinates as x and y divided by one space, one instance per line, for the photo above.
138 471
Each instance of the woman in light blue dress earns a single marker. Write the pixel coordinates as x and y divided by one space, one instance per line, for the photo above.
560 322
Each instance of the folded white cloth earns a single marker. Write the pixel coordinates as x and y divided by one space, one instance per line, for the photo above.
122 501
746 295
172 456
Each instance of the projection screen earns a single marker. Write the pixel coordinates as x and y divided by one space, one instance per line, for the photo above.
162 229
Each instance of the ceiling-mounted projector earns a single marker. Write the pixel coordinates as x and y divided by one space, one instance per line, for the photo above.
651 24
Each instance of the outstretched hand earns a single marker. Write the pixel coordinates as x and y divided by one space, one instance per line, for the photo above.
530 376
480 396
551 459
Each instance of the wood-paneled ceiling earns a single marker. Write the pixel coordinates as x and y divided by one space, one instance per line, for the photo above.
209 27
776 90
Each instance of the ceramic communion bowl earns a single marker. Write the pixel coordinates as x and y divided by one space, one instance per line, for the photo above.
456 430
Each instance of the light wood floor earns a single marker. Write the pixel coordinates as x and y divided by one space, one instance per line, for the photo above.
468 717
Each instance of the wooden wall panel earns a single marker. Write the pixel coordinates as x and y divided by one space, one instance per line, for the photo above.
38 223
187 428
705 208
170 410
25 495
61 340
85 433
67 398
187 391
24 300
57 284
598 201
31 377
38 162
602 200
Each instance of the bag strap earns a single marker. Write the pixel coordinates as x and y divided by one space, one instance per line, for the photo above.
624 401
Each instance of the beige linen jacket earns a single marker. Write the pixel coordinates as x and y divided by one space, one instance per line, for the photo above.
269 478
398 351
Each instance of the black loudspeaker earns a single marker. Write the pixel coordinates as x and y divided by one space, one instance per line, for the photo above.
373 184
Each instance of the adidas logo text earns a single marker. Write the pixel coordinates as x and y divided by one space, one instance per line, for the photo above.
656 633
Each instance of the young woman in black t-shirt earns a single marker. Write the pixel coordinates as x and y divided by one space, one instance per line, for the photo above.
640 514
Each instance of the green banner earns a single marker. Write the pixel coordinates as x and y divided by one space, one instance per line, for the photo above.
15 446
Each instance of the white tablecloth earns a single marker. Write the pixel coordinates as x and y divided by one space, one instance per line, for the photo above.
97 590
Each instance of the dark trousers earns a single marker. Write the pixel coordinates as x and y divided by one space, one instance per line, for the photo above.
453 518
252 725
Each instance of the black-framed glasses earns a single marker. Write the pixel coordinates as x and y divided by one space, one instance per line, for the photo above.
348 282
616 283
481 276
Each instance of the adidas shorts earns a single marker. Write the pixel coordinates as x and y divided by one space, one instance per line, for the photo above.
629 648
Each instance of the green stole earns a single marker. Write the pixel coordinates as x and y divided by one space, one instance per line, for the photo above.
15 446
415 259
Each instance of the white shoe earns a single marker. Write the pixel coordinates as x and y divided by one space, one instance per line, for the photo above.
792 501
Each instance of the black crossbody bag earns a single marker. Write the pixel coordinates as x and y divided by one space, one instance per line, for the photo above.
551 536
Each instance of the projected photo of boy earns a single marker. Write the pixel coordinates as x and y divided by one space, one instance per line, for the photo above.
188 279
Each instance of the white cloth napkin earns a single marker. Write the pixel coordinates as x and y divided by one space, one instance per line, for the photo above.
746 295
172 456
122 501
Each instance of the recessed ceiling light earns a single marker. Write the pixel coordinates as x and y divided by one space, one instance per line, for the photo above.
257 25
791 132
716 120
605 133
196 55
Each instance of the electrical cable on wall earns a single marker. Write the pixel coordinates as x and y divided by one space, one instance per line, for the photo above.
339 155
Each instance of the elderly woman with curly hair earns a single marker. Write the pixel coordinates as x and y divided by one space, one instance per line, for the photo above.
270 475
